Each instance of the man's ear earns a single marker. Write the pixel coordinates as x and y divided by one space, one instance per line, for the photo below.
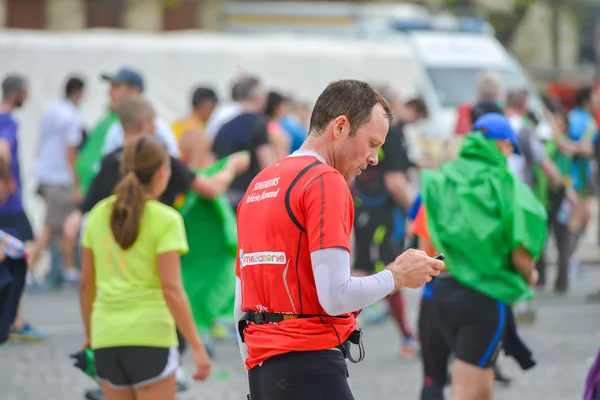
341 127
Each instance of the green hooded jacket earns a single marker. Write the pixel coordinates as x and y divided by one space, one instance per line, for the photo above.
208 269
478 212
90 156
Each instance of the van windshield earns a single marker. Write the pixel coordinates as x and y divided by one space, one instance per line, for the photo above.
455 86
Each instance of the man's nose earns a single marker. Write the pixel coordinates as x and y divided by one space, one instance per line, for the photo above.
373 160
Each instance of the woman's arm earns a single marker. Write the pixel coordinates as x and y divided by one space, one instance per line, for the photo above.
169 270
87 289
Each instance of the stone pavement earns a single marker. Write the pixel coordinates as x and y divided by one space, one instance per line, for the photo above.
565 338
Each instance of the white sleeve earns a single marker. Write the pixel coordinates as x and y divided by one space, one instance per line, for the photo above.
237 315
73 130
341 293
114 138
165 133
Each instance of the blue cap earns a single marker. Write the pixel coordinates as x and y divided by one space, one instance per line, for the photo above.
496 126
127 76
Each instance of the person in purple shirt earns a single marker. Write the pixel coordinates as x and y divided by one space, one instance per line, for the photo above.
13 219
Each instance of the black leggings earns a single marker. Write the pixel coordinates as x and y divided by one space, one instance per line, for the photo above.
435 352
314 375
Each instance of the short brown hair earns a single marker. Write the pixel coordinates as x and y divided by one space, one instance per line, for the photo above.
419 106
132 110
142 158
351 98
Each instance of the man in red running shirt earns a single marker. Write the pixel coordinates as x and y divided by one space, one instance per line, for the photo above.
295 297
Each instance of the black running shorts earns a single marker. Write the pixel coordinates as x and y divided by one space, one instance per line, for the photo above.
472 323
135 366
314 375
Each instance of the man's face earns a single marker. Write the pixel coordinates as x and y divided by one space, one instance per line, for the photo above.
505 147
411 115
20 97
119 92
352 154
77 96
205 109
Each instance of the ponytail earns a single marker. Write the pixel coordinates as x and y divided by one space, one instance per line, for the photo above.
127 210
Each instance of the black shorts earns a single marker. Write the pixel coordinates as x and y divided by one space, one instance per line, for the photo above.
435 351
314 375
472 323
135 366
373 232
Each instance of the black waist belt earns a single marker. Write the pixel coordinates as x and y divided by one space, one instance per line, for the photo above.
268 317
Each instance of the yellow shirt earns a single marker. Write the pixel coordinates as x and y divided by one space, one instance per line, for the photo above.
183 125
130 309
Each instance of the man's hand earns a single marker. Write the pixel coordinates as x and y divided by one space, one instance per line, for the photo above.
240 162
414 268
534 276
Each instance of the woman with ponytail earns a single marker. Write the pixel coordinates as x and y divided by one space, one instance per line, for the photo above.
131 292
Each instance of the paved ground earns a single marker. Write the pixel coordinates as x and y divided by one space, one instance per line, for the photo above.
565 337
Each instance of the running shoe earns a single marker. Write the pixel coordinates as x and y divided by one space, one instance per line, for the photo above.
500 377
94 394
526 317
410 347
28 334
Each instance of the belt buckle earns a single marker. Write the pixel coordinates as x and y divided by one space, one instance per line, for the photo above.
258 318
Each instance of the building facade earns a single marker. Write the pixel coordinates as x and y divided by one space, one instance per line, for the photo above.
146 15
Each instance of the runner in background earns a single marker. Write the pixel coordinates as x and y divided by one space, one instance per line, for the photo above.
13 218
293 123
247 131
134 85
58 148
489 85
278 106
131 279
582 131
491 261
194 144
378 193
533 155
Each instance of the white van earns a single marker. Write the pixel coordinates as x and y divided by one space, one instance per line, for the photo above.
449 65
450 52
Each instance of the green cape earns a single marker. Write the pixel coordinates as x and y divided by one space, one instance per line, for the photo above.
478 212
88 160
208 270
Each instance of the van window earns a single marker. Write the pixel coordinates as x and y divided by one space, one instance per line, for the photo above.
455 86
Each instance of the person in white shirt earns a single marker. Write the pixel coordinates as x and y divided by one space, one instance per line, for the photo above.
60 137
115 136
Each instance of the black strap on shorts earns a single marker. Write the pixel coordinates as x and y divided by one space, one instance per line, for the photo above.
268 317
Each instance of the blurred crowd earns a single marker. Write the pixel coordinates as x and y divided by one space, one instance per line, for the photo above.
559 160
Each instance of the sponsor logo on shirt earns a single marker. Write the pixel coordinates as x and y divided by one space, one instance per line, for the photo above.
262 257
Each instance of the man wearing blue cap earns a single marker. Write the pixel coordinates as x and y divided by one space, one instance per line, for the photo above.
491 228
114 138
108 133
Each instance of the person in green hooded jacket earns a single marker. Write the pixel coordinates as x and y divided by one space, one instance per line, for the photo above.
491 228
